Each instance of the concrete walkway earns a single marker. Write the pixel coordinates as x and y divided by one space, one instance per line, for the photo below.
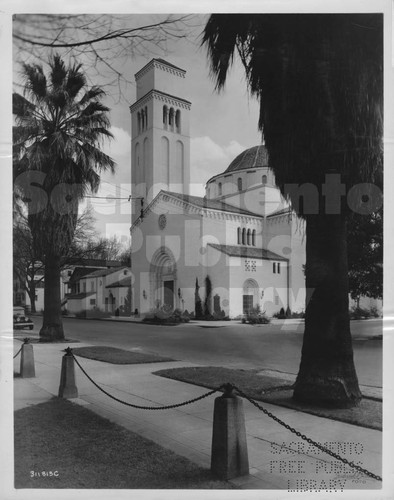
278 459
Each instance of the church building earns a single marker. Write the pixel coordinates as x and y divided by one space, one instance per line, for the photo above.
241 239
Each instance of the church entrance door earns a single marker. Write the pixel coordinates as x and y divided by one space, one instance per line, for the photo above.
250 297
247 305
168 294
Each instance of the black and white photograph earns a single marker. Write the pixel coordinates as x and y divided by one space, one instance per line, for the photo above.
197 218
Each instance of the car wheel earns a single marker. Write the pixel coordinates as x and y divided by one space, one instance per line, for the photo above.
31 327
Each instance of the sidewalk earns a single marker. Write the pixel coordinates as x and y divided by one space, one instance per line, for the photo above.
278 459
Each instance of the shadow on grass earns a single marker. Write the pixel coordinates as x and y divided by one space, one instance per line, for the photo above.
276 391
83 450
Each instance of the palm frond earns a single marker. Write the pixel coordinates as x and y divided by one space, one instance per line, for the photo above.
319 79
36 82
58 72
59 133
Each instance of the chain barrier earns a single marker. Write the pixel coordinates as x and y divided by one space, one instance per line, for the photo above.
308 440
25 341
18 352
228 388
168 407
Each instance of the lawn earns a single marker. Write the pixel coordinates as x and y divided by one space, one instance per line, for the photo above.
117 356
84 450
275 391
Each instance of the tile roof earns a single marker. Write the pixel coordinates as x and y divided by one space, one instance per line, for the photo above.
104 272
282 211
80 272
201 202
159 59
81 295
248 252
94 262
254 157
124 282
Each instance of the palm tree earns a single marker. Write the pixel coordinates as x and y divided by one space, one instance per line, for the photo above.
319 79
60 124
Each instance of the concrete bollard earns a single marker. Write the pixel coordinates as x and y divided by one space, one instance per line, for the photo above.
27 369
229 457
67 387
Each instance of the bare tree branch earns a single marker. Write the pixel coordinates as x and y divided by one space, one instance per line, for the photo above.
105 44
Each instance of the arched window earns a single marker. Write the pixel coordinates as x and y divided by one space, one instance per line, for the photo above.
254 237
146 118
137 170
139 122
171 118
165 116
239 184
137 154
179 163
243 236
142 120
145 154
178 120
220 189
239 236
264 179
165 161
248 237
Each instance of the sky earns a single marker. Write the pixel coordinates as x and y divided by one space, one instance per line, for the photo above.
222 126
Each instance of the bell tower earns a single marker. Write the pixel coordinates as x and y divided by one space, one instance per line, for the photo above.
160 132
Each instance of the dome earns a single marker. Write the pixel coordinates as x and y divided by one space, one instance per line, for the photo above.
254 157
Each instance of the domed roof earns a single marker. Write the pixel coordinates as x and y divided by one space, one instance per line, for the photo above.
250 158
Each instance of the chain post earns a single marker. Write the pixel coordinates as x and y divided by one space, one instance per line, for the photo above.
229 455
27 369
67 387
309 440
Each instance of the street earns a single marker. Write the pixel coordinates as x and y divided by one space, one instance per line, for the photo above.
232 344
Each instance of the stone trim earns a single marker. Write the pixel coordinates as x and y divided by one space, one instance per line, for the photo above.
169 68
192 209
161 96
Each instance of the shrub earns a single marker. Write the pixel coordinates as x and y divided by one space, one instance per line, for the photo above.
298 315
92 313
256 316
220 316
375 313
163 317
363 313
208 292
289 315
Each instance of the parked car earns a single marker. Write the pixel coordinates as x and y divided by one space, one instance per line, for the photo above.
21 320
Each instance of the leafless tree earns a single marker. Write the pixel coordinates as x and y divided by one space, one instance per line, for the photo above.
105 44
29 269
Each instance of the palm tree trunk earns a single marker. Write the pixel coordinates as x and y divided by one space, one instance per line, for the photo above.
327 374
52 327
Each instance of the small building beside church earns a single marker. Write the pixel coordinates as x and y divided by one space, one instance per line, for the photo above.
242 237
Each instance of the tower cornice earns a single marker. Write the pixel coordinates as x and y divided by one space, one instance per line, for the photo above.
161 96
163 65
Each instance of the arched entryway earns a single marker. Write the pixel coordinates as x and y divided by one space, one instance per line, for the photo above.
250 296
163 280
